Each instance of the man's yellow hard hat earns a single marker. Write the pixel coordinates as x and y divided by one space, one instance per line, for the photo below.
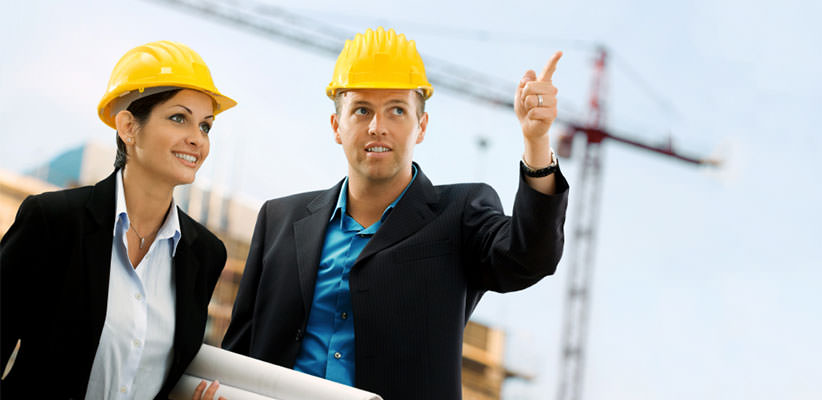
379 60
157 66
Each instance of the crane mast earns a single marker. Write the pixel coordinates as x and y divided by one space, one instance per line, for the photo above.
582 245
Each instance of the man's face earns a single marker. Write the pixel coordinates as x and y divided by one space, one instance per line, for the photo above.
378 129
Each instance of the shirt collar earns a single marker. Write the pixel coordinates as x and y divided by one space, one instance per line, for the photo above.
342 200
170 229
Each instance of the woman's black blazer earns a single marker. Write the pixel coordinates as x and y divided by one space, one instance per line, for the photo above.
54 273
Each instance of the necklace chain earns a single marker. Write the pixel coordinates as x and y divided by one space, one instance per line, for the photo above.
142 239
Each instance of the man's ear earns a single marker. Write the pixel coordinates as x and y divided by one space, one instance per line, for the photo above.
335 126
423 127
126 126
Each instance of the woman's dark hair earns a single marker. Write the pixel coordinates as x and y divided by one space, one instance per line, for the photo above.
140 109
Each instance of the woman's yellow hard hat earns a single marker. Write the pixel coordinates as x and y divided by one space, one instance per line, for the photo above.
157 66
379 60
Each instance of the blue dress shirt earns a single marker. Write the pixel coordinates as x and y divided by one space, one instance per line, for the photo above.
328 346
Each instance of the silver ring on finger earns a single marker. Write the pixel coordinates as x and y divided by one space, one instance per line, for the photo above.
539 100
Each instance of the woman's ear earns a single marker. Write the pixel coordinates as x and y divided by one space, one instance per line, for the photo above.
126 126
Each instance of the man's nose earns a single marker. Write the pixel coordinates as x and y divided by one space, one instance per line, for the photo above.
377 125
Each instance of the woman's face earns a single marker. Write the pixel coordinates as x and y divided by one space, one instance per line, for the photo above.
172 144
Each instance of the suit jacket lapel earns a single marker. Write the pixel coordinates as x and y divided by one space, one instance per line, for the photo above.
410 214
185 265
97 250
309 236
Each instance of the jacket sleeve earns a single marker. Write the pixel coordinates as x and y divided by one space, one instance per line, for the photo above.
21 257
238 335
512 253
219 265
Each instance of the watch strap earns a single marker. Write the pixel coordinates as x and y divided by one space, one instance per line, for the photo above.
541 172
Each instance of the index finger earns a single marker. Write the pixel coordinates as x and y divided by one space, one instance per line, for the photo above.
548 71
198 391
209 394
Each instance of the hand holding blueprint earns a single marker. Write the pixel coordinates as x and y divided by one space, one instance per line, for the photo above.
245 378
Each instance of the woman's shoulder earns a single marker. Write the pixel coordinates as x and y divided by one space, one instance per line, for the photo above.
197 229
59 202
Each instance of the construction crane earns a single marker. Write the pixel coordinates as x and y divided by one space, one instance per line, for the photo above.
580 253
307 34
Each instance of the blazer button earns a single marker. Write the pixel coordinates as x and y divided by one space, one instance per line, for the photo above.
299 335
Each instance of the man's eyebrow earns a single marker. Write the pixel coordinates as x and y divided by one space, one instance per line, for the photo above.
398 101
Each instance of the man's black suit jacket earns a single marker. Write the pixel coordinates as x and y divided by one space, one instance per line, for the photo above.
54 271
413 287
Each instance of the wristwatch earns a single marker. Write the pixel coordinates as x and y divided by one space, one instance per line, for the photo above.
539 173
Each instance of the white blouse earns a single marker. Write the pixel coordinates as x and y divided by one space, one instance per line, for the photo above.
135 350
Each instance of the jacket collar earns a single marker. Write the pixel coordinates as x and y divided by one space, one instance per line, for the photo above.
309 235
413 211
96 266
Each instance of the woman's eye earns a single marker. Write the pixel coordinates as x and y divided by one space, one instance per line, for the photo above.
206 128
178 118
399 111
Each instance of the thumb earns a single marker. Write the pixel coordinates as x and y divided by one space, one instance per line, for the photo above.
529 76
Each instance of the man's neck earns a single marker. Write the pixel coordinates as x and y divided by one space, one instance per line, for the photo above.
367 199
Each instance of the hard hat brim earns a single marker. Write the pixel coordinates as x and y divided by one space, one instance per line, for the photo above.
333 89
221 102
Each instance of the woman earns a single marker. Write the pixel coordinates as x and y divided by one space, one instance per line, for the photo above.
106 287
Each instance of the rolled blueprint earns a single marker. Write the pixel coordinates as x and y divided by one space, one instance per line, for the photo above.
185 387
246 378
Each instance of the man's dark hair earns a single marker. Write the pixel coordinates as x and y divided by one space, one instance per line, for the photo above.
140 109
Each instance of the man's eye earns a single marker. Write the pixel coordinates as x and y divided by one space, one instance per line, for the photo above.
178 118
399 110
206 128
360 111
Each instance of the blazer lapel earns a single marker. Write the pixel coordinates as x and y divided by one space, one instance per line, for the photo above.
410 214
97 242
309 236
185 267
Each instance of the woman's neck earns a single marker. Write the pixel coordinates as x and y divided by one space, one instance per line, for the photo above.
147 200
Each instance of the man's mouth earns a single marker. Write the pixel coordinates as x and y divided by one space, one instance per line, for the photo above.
377 149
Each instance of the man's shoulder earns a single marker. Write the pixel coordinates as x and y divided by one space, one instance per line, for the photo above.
463 186
296 206
297 199
456 190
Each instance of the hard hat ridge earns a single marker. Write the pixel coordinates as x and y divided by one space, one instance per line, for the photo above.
379 59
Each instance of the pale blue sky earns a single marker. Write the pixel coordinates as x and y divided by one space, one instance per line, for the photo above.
707 284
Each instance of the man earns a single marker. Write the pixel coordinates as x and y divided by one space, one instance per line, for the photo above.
371 282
